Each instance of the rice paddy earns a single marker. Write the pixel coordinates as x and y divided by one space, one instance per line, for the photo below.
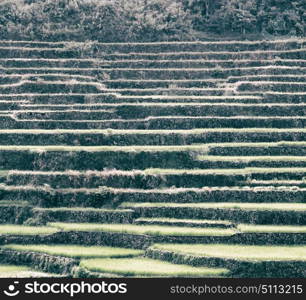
166 159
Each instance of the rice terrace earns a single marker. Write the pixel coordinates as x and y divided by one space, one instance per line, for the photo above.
153 158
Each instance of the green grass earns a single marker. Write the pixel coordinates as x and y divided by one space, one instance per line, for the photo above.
185 221
250 158
198 147
88 191
149 267
271 228
156 230
26 230
13 203
238 252
76 251
227 171
141 131
81 209
221 205
13 269
3 173
153 171
201 148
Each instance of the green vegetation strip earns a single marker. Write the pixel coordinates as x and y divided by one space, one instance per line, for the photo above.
26 230
198 147
14 271
185 221
251 158
225 205
245 228
228 171
155 230
142 131
75 251
149 267
13 203
156 171
238 252
81 209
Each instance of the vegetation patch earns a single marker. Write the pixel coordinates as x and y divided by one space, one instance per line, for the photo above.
76 251
245 206
270 229
14 271
184 222
239 252
154 230
26 230
149 267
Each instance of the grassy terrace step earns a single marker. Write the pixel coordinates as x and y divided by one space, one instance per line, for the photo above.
28 86
33 44
98 114
9 105
149 267
245 234
166 73
257 213
208 55
227 149
9 229
172 108
96 101
175 91
105 196
32 52
274 78
141 236
210 161
39 261
275 182
96 137
114 84
285 96
166 122
233 45
76 100
243 261
246 228
184 222
154 230
76 251
152 178
200 46
179 51
17 271
81 214
146 63
272 86
61 158
14 212
144 110
15 80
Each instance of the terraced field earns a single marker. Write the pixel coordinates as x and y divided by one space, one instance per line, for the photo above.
153 159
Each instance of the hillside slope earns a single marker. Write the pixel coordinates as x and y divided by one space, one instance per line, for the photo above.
153 159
